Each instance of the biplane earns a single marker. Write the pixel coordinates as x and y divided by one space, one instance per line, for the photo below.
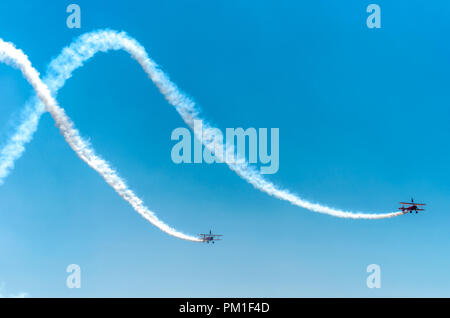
206 238
411 206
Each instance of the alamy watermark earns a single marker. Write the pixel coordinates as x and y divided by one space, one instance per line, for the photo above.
374 19
73 21
74 279
254 142
374 279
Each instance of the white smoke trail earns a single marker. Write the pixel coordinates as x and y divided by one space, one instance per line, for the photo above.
16 58
4 294
88 45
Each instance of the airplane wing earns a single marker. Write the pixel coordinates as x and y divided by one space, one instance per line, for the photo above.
412 203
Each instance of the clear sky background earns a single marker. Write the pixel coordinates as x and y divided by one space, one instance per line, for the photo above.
363 117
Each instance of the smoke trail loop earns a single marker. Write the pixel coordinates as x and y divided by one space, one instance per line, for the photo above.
14 57
74 56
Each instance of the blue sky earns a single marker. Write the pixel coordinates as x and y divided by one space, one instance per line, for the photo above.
363 118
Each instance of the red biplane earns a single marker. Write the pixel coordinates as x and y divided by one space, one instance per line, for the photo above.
411 206
206 238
